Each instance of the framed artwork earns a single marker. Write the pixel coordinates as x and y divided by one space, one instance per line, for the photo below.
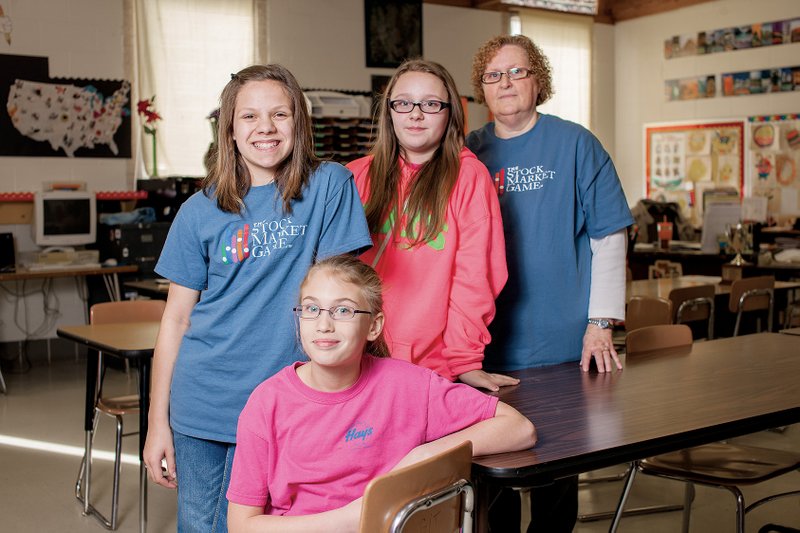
683 160
393 31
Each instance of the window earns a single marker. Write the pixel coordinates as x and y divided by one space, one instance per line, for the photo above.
185 51
566 40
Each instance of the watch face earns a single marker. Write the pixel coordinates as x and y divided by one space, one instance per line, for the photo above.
601 323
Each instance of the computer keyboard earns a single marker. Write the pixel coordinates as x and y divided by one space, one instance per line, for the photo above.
56 267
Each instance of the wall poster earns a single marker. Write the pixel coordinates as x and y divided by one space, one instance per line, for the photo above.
684 160
774 145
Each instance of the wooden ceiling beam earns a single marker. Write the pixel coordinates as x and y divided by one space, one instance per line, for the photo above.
608 11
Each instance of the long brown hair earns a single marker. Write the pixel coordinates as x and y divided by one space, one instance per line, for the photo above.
430 191
539 65
228 176
350 269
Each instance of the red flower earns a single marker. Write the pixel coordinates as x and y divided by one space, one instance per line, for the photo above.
144 108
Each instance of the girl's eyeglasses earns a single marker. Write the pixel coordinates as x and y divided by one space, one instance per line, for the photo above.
337 312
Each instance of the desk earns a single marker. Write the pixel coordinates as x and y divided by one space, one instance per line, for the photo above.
134 341
150 288
723 319
110 276
587 421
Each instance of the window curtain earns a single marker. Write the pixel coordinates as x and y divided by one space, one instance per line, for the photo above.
566 40
183 53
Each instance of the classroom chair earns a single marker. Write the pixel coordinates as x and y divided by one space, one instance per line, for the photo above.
643 311
694 304
433 495
750 295
114 406
721 465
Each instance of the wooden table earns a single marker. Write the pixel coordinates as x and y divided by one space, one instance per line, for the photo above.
134 341
585 421
663 286
110 275
791 331
723 319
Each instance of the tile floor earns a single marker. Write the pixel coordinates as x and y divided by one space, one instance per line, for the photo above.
44 405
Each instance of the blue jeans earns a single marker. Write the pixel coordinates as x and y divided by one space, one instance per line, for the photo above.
204 469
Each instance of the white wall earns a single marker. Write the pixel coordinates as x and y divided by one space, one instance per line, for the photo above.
641 70
81 39
322 43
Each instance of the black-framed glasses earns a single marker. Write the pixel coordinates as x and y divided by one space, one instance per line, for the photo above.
337 312
426 106
516 73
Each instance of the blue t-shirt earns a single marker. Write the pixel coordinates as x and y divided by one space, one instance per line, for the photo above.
248 268
557 188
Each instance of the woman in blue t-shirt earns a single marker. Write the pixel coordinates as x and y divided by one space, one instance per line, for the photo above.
235 255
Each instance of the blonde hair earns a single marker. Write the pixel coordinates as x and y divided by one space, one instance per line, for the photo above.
228 178
350 269
430 192
539 65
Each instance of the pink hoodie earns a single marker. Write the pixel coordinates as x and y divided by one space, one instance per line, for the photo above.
439 296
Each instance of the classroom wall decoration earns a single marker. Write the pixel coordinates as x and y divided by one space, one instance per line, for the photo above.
735 38
61 117
774 80
691 88
683 160
774 145
393 31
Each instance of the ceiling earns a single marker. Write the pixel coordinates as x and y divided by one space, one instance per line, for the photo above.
609 11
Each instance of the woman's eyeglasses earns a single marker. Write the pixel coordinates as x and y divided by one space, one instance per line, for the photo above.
515 73
426 106
337 312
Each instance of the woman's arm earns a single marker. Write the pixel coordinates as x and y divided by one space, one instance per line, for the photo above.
247 519
507 431
174 323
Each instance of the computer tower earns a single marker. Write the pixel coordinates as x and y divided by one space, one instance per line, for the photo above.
8 259
133 244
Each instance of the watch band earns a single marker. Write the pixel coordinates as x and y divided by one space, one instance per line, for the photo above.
601 323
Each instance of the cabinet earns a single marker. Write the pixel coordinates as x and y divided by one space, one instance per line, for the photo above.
342 139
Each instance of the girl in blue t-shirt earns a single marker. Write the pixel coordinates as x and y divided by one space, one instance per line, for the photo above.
235 255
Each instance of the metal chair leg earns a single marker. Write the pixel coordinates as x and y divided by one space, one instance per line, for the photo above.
688 498
626 490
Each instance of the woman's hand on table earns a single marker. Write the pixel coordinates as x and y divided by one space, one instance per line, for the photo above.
597 343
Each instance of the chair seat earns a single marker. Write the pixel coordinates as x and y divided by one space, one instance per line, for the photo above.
723 464
119 405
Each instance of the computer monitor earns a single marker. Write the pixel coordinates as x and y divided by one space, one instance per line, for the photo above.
64 218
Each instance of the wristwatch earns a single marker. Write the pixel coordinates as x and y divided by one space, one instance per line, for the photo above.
601 323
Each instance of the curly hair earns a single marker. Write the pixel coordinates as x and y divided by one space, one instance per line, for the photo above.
539 65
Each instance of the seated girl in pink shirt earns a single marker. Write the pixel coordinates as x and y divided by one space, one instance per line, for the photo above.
312 436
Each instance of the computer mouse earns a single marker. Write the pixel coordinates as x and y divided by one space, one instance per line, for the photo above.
110 262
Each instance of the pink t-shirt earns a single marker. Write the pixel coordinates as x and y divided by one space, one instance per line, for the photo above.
300 451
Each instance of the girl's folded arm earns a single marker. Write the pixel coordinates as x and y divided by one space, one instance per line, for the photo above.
249 519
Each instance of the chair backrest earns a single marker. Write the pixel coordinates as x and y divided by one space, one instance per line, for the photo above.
643 311
127 311
398 495
655 338
755 302
694 310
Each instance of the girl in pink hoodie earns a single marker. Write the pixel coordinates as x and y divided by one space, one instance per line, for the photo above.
435 221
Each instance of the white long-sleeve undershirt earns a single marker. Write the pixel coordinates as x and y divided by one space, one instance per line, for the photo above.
607 292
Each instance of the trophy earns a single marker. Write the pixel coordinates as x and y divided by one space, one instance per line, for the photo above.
738 236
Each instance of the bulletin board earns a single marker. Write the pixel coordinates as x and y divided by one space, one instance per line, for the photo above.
774 145
682 160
